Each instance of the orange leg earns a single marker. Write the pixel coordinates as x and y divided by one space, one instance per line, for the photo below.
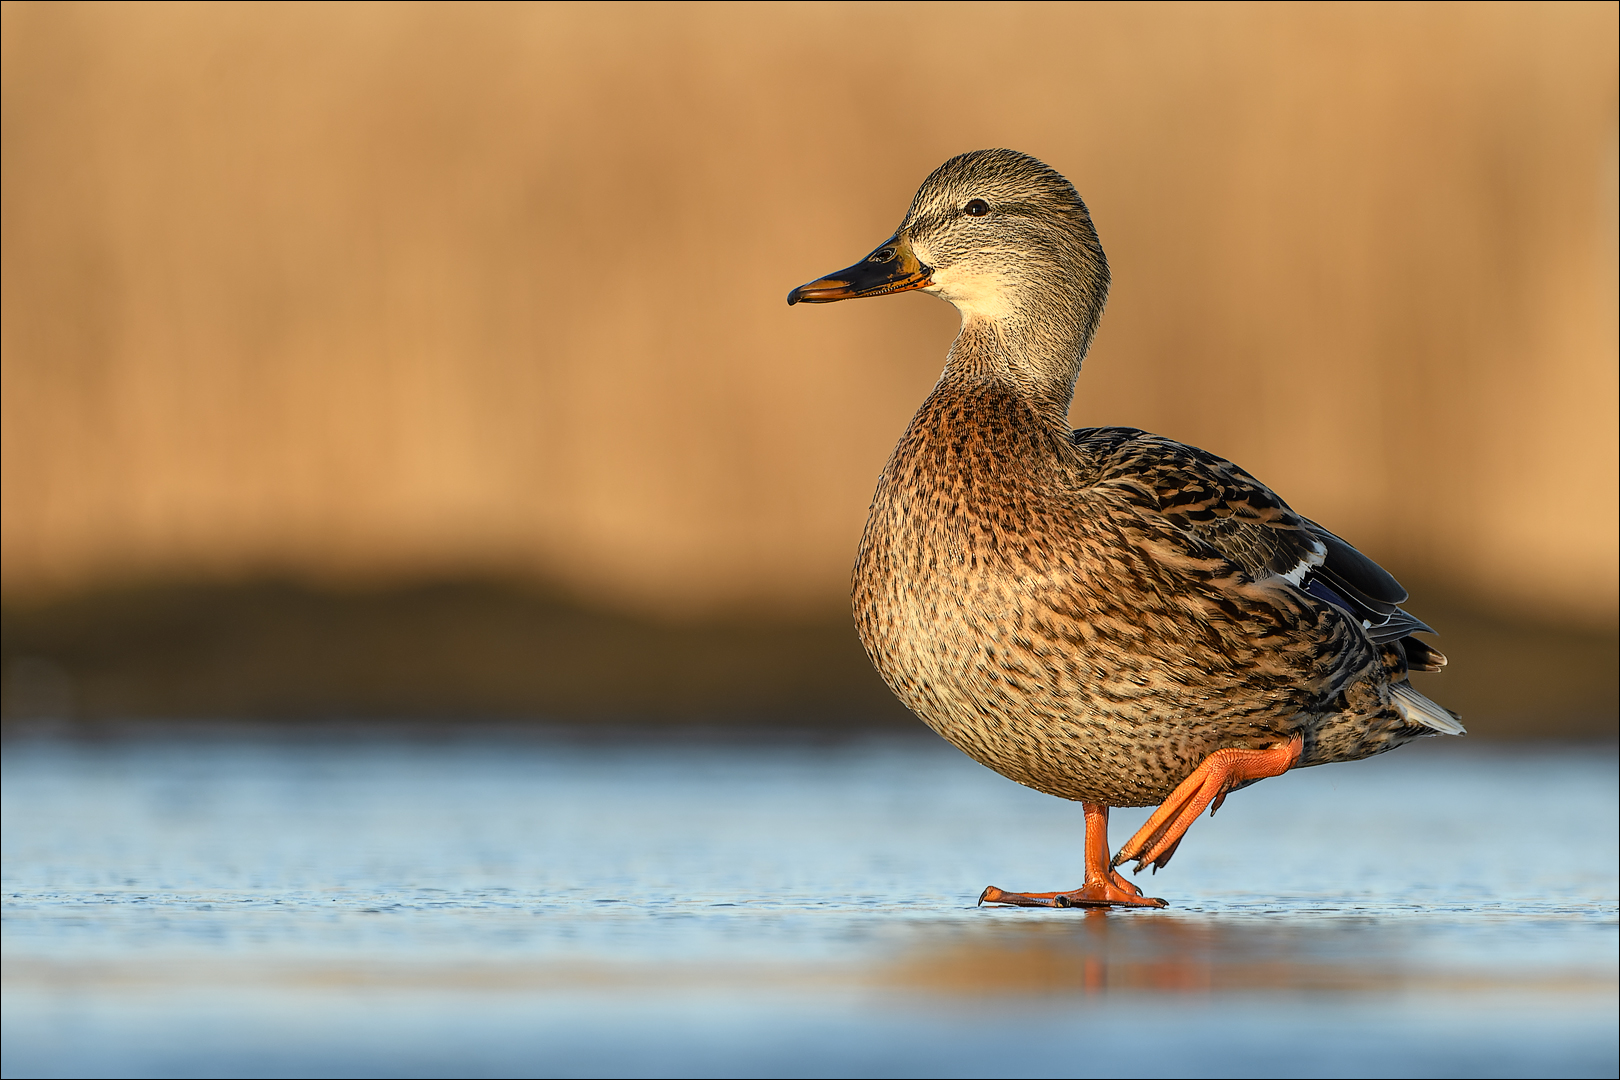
1103 888
1219 773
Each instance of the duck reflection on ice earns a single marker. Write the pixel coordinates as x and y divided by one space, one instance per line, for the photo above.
1103 952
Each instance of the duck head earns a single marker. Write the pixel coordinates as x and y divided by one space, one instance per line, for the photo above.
1008 241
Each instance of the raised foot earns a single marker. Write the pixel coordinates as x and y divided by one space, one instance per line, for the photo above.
1214 778
1097 894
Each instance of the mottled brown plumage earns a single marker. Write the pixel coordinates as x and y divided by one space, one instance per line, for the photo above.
1095 613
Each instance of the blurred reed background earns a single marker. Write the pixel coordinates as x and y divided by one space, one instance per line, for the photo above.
432 360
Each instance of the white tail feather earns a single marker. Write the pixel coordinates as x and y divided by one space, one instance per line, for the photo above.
1420 710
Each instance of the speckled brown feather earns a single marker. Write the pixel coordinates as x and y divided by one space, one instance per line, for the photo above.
1044 599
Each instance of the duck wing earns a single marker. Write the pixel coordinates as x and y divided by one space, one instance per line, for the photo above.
1221 505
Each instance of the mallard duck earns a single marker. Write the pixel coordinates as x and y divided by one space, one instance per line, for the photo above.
1101 614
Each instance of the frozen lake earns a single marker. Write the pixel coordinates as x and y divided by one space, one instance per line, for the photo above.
504 903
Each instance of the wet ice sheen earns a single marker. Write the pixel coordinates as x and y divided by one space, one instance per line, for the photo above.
539 904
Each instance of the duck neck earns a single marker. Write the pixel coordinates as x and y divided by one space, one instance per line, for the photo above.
1039 359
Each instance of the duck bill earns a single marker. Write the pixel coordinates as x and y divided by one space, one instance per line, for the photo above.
891 268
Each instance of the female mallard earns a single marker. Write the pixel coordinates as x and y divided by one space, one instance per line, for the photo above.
1104 614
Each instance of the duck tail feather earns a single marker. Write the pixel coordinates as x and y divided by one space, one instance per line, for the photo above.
1421 656
1418 709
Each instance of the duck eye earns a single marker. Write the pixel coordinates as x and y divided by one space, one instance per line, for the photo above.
976 208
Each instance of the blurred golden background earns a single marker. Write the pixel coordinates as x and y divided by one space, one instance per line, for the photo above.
433 359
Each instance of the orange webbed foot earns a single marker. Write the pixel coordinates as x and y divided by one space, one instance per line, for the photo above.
1214 778
1114 891
1104 886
